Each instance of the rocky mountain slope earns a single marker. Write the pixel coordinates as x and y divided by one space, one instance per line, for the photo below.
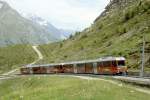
61 33
15 29
118 31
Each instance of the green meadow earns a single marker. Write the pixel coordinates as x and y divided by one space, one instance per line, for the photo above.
66 88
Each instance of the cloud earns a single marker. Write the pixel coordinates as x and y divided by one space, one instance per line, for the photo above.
68 14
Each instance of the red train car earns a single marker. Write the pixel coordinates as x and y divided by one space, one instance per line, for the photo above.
106 65
85 68
25 70
68 68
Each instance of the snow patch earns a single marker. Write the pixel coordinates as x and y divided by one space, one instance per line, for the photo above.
35 18
43 23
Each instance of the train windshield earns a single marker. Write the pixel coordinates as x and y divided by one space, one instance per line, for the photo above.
121 63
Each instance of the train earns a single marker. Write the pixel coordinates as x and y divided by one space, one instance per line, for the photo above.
104 65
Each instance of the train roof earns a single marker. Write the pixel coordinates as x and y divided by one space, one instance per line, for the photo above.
80 62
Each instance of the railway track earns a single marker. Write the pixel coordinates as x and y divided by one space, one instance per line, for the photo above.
145 81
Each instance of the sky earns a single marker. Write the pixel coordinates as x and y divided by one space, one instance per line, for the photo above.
63 14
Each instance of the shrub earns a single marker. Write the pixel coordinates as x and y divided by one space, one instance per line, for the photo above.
120 53
144 6
71 36
84 36
109 44
77 33
95 41
128 15
82 47
65 56
61 45
121 30
131 12
100 26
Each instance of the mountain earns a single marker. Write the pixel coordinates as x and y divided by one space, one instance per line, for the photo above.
46 25
61 33
118 31
67 33
15 29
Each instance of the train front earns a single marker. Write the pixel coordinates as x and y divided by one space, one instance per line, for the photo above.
121 66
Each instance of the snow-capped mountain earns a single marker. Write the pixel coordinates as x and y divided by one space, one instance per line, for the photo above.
61 33
15 29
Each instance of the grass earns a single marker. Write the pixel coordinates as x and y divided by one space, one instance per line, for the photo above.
110 35
15 56
65 88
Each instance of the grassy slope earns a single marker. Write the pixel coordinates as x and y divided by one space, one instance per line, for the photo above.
15 56
65 88
109 35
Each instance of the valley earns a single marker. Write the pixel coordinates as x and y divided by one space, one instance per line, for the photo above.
30 41
16 29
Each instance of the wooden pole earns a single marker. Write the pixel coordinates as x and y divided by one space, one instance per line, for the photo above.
143 58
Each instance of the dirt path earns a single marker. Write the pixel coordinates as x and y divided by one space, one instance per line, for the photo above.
10 72
40 57
115 83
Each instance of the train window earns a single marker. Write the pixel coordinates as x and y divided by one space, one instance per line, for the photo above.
121 63
114 63
100 64
106 64
81 65
36 69
68 66
89 65
61 67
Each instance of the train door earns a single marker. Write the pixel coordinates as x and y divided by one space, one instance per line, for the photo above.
114 67
36 70
80 68
57 69
43 70
106 69
99 68
51 70
89 68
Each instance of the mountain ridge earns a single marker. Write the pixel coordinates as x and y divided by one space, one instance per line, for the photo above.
116 32
64 34
15 29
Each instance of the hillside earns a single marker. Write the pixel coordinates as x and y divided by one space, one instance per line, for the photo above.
15 29
15 56
117 31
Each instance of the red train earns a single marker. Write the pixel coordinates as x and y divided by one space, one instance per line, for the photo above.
106 65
